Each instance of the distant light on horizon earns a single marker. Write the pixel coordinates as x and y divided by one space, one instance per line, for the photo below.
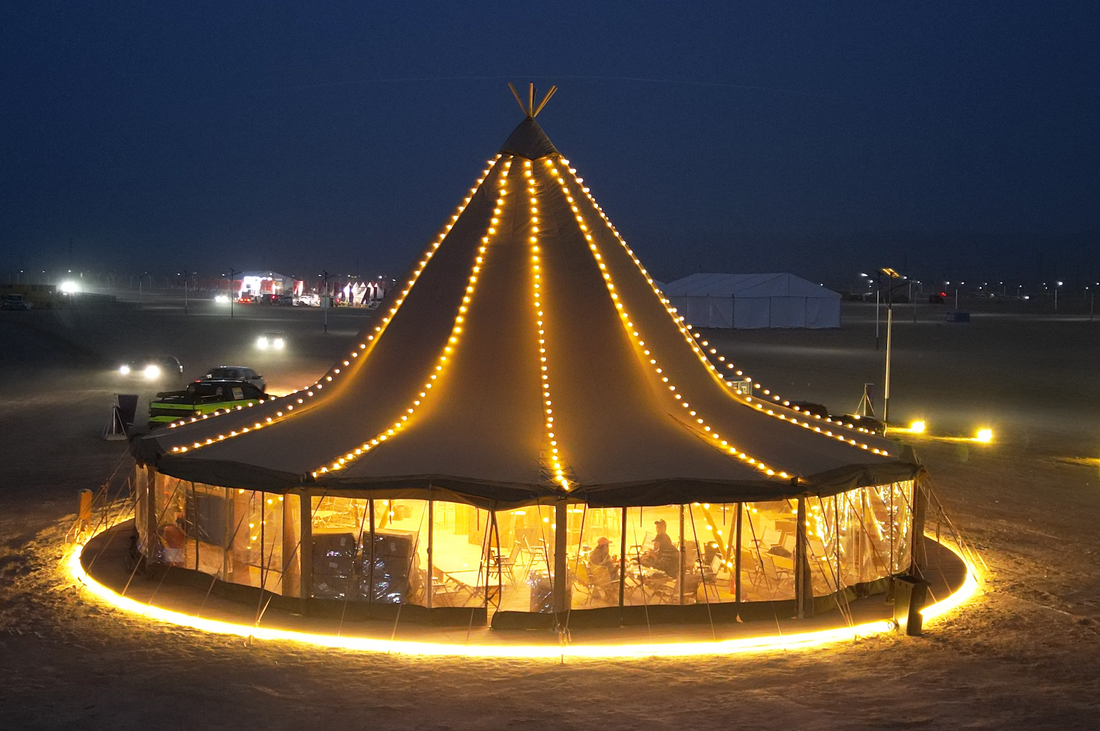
984 436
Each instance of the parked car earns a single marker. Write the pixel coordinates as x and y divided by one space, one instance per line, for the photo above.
235 373
152 368
16 301
869 423
201 397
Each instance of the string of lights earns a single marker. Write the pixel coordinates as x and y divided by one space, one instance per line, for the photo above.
299 397
536 269
691 337
632 331
447 354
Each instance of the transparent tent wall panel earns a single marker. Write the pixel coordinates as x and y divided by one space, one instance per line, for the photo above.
903 519
170 544
594 566
255 555
714 528
768 535
461 547
353 561
652 565
396 571
823 541
526 557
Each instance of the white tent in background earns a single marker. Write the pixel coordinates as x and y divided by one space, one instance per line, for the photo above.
750 301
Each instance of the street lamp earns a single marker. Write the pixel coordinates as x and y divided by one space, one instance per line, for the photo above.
1056 286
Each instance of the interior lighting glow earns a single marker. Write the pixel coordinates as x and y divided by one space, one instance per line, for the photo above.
554 652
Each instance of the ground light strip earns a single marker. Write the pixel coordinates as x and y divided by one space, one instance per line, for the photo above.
690 337
310 391
536 270
772 643
635 336
448 350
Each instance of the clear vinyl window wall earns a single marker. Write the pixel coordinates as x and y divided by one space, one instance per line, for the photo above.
447 554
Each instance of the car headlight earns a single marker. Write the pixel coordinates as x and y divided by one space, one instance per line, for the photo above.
262 343
151 371
221 298
279 343
124 370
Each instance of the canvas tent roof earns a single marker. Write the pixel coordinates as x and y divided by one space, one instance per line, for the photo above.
527 356
746 285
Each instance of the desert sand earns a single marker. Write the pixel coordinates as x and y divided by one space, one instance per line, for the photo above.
1024 654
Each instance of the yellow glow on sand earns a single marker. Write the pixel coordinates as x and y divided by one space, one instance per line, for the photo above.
768 643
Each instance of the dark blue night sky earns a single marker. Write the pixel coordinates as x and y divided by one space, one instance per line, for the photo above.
949 140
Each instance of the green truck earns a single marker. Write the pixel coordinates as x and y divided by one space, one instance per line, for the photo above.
201 397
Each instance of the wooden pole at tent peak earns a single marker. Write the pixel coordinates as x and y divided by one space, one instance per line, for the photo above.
544 100
516 95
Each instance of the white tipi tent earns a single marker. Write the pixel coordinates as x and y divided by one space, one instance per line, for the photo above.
751 301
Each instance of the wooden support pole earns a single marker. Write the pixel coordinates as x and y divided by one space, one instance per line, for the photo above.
291 559
622 563
920 511
803 586
737 554
683 554
305 515
561 536
431 551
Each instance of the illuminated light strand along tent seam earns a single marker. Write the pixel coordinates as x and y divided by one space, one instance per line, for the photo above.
679 320
690 336
555 459
452 341
629 326
425 258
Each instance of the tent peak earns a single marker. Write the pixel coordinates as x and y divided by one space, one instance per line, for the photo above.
530 109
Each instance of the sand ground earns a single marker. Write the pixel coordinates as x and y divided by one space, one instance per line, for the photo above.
1026 654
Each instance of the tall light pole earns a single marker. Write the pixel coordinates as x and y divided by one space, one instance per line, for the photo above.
232 277
1056 286
891 275
326 301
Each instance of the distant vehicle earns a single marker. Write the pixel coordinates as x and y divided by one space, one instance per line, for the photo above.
310 300
152 368
936 299
809 407
16 302
271 340
869 423
275 299
199 398
235 373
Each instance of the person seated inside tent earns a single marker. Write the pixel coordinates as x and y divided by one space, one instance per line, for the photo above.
601 560
663 556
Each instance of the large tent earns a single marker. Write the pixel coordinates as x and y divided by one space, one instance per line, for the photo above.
750 301
525 401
